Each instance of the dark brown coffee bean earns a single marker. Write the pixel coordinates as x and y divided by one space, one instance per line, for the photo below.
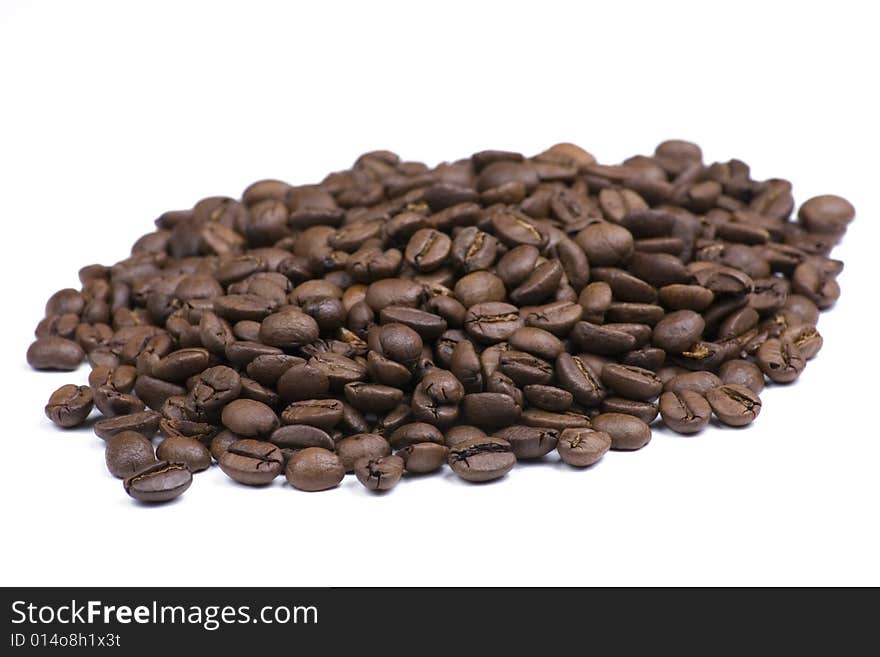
685 412
364 445
780 360
580 379
734 405
184 449
826 214
678 331
492 322
548 398
490 410
606 244
110 402
631 382
701 382
54 353
422 458
601 340
535 417
160 482
372 397
322 413
645 411
394 292
583 447
70 405
288 329
627 432
145 422
481 459
128 453
515 266
252 462
557 318
529 442
525 369
678 296
427 249
314 469
339 370
248 417
379 474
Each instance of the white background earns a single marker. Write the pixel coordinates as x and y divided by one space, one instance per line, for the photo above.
112 112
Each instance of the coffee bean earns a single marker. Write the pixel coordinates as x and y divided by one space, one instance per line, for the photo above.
288 329
490 410
678 331
363 445
571 419
548 398
186 450
492 322
221 442
54 353
577 377
528 442
734 404
606 244
252 462
780 360
372 396
627 432
685 412
314 469
160 482
742 372
145 422
70 405
128 453
379 474
645 411
422 458
826 214
322 413
583 447
632 382
110 402
701 382
248 417
481 459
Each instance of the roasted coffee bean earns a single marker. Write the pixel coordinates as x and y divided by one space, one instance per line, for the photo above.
826 214
490 410
805 337
252 462
492 322
322 413
631 382
481 459
160 482
525 369
602 340
627 432
145 422
414 433
701 382
395 341
645 411
364 445
678 296
534 417
685 412
221 442
741 372
70 405
734 404
780 360
580 379
184 449
288 329
128 453
529 442
379 474
678 331
372 397
54 353
583 447
557 318
110 402
606 244
248 418
422 458
314 469
548 398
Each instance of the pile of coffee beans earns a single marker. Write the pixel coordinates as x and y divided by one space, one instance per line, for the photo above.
395 318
